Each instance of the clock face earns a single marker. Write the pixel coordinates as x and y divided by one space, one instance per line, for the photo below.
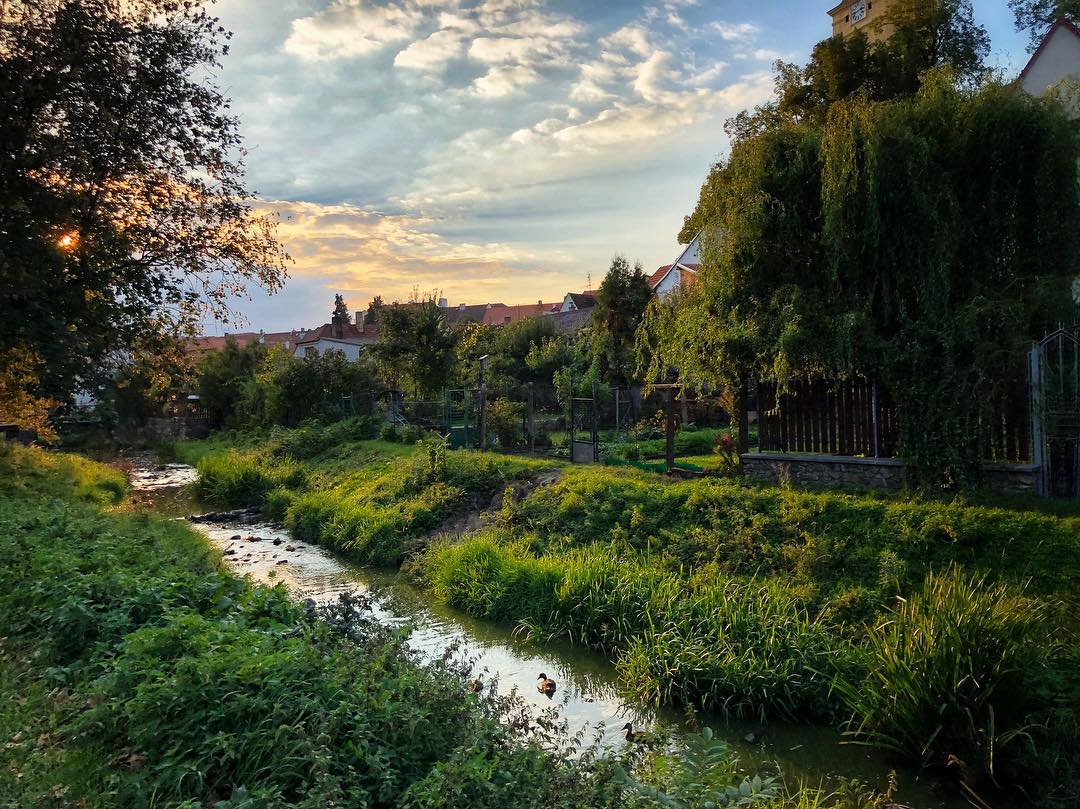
858 11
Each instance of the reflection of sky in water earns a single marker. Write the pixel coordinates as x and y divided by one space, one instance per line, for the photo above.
148 477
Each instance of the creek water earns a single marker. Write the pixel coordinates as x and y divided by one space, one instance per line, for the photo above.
588 695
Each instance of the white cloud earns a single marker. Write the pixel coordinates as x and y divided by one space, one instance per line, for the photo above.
432 53
350 28
503 81
736 32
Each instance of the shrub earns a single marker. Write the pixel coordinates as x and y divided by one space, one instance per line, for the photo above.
948 671
389 432
504 422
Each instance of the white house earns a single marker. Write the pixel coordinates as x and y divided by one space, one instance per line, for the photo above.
682 271
1055 62
337 336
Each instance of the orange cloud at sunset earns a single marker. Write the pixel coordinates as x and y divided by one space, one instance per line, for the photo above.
365 253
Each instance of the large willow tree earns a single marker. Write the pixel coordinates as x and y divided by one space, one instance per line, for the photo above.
923 242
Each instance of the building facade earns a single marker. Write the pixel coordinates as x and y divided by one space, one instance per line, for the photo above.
861 15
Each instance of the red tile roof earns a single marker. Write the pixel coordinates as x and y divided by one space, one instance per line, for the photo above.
512 314
200 345
349 334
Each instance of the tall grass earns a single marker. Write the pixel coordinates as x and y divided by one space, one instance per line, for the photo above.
239 479
951 674
29 470
742 647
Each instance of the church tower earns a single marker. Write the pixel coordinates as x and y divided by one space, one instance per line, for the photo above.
861 15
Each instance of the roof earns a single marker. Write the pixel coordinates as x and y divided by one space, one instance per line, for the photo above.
475 313
200 345
1059 24
686 271
497 316
369 333
582 300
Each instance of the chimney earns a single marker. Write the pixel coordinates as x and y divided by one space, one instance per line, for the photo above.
262 336
444 303
461 307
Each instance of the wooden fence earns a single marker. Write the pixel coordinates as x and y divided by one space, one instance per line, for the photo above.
859 418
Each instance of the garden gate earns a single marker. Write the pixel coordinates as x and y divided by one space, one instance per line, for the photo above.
583 416
1055 407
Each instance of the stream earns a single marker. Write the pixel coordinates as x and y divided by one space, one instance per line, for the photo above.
588 695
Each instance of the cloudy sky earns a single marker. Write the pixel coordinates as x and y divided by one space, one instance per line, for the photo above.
495 150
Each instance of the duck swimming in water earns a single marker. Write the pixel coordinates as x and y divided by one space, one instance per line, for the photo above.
545 685
632 735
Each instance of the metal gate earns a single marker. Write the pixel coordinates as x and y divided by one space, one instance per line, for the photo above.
584 448
1055 408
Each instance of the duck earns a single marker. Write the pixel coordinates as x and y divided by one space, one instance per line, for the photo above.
633 735
545 685
476 685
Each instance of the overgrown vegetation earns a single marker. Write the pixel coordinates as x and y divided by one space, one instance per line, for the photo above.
136 671
755 601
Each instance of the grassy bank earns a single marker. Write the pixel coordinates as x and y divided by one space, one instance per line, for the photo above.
136 671
938 629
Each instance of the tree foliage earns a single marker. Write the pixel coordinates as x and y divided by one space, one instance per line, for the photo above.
1036 16
620 304
122 204
923 242
341 310
415 351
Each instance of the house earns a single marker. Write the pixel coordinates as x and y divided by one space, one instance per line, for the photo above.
338 335
576 301
475 313
284 339
1055 62
503 315
861 15
681 272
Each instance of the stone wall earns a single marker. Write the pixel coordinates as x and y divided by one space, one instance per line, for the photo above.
884 474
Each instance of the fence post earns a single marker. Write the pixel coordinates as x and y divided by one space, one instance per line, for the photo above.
1037 448
744 424
669 428
873 414
595 426
570 429
483 403
532 423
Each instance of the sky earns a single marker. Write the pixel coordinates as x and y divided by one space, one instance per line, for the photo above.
495 150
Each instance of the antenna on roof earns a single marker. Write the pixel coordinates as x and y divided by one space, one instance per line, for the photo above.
588 280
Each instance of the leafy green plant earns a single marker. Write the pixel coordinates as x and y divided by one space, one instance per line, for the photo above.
702 775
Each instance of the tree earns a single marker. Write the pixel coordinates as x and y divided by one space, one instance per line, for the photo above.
1036 16
224 376
122 203
371 317
922 242
341 311
416 348
620 303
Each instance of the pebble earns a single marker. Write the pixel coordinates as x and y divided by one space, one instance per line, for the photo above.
283 561
229 552
235 538
277 541
290 548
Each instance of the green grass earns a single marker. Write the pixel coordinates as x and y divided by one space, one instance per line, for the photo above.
750 599
59 474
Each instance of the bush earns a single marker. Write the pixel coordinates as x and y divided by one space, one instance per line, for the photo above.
949 674
389 432
504 422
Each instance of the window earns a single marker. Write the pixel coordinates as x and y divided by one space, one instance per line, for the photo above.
311 351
